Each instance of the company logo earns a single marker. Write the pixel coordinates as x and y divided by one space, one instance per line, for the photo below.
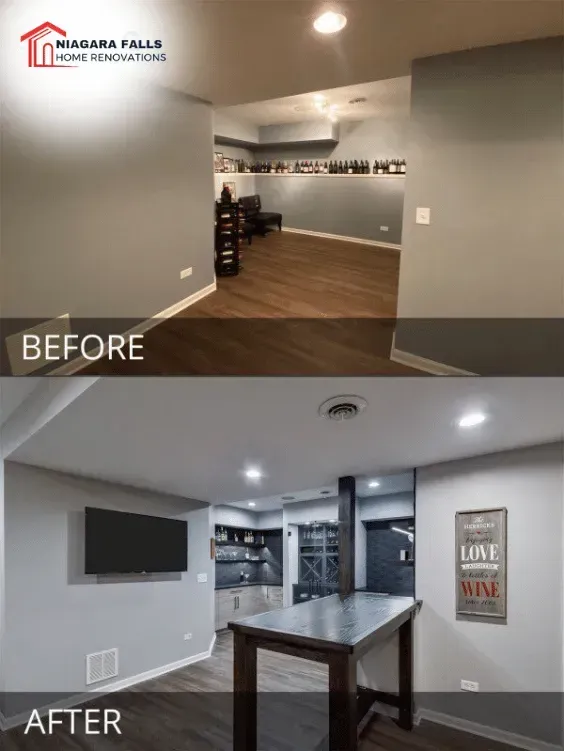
478 520
41 54
49 47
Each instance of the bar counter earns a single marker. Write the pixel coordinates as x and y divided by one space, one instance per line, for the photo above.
336 630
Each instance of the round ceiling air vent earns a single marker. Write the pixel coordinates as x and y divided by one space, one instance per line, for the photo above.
341 408
288 497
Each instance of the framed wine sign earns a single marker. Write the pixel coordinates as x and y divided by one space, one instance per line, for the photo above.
481 563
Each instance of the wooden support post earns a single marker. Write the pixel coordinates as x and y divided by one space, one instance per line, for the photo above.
245 694
347 504
343 718
406 675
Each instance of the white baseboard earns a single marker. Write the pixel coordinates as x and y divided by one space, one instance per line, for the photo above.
76 365
485 731
7 723
359 240
423 364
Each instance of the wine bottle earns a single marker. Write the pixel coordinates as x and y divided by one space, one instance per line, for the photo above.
316 168
393 167
375 168
367 167
311 168
325 169
340 172
403 168
348 168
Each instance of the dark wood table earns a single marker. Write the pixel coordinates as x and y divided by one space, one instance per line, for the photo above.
336 630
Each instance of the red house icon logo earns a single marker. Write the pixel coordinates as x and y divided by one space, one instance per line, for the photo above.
41 54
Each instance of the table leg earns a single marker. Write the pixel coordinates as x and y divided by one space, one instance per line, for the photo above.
406 675
342 703
245 694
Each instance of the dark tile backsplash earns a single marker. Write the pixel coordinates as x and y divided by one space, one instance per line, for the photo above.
384 571
264 573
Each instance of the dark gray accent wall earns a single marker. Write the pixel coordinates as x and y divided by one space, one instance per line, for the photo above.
385 572
269 572
486 155
102 225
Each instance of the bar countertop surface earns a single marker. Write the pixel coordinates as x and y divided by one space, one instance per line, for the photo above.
337 622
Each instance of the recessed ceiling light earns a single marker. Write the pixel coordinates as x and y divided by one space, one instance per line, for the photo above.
288 497
253 474
471 420
252 503
373 484
325 492
330 22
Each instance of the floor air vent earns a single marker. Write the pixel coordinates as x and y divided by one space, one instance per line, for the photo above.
101 665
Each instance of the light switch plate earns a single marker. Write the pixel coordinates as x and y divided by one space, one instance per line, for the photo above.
202 578
423 216
469 685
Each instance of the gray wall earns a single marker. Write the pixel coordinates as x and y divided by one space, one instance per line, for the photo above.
524 655
352 208
230 127
309 130
2 588
270 519
78 614
486 155
106 225
233 516
245 183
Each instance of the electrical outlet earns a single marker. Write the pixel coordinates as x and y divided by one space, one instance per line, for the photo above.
423 216
384 229
187 637
202 578
469 686
185 273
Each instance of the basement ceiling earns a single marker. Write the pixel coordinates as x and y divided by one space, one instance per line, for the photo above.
382 99
195 437
251 50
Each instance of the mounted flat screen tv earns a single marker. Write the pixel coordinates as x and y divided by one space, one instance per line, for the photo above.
124 543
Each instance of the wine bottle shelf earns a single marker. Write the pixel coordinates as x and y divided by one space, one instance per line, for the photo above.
305 174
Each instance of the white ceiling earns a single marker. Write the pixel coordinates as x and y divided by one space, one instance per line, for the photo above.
194 437
388 484
385 99
252 50
13 391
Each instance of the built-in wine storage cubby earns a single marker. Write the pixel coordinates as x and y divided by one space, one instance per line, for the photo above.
318 561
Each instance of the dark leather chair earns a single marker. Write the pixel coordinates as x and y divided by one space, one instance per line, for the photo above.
260 219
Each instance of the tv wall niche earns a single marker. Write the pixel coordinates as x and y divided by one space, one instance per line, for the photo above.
117 542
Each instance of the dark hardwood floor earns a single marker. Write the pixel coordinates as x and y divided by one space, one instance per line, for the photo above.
190 710
302 305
